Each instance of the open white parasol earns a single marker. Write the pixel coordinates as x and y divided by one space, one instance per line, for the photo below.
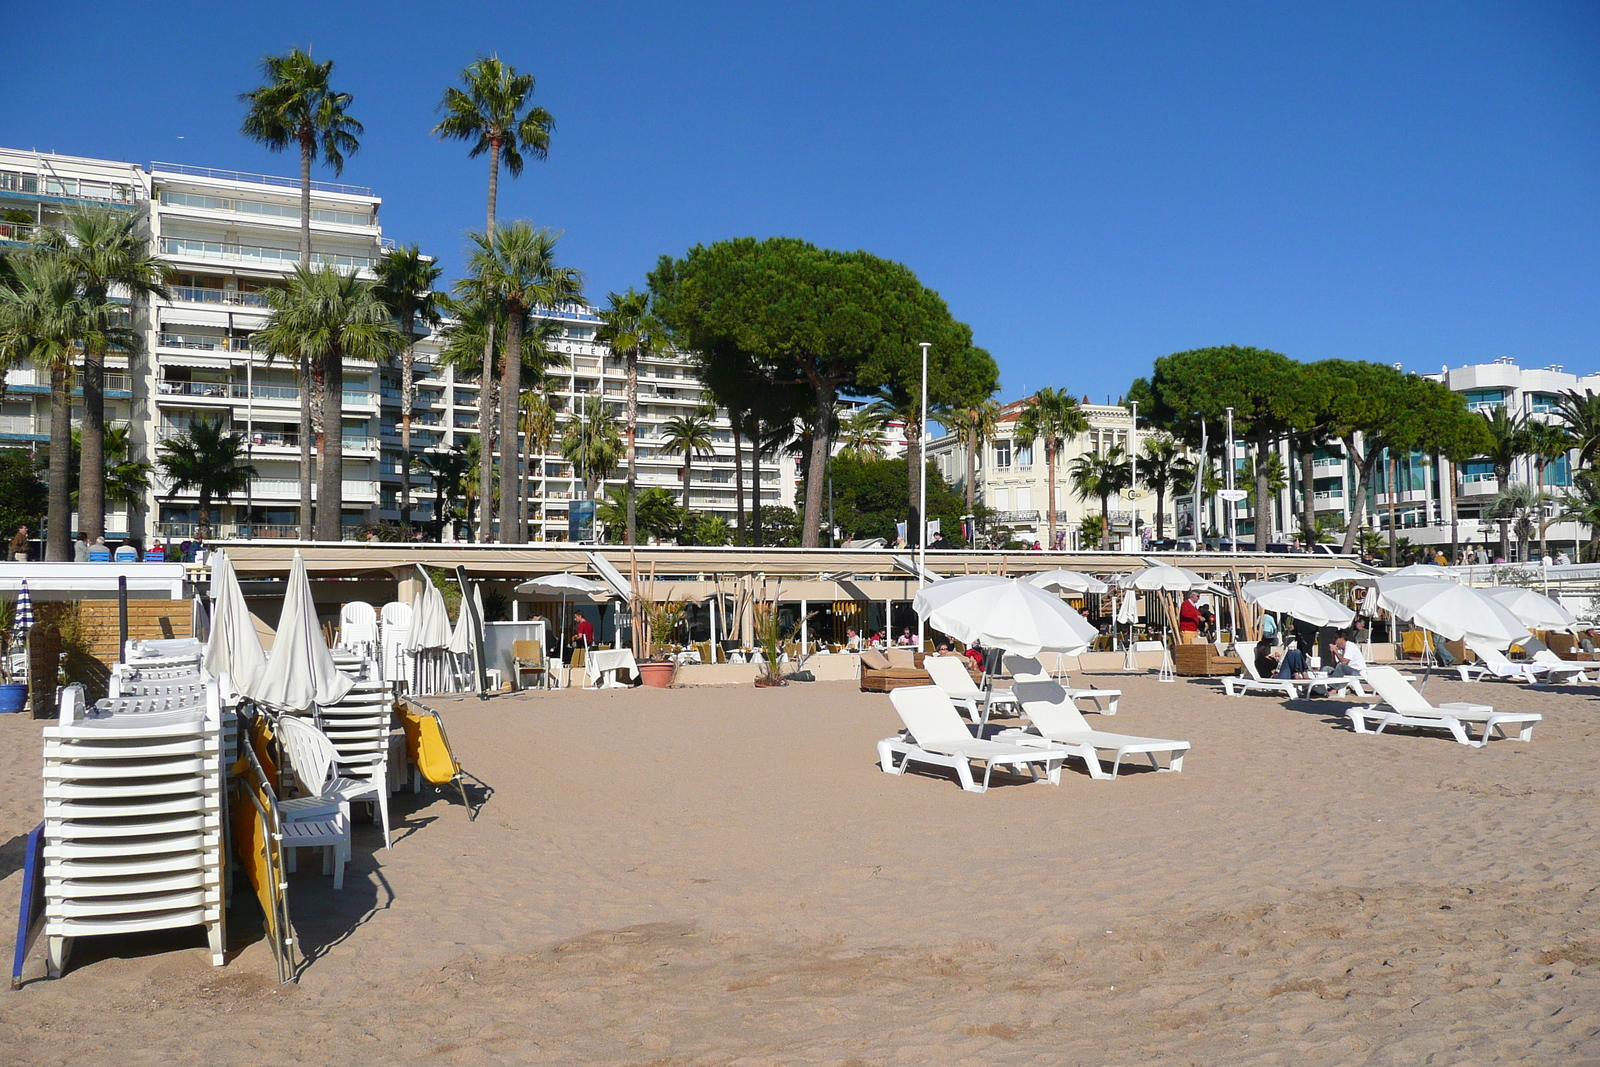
1302 601
1065 581
1004 613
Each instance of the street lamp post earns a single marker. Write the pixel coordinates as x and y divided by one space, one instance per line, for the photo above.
922 487
1233 505
1133 470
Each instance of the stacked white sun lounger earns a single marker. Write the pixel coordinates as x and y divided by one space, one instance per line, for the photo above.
133 820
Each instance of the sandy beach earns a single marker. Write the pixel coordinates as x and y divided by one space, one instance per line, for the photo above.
724 876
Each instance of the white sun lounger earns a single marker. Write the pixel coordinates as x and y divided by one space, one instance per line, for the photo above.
1029 669
1404 706
1561 670
936 735
950 675
1289 687
1057 721
1493 663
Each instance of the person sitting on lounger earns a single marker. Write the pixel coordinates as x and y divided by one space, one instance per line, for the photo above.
1351 661
1266 662
1294 664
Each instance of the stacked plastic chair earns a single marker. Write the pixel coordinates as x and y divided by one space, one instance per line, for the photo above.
133 819
361 728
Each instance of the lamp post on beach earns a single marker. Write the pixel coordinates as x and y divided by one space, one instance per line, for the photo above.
1233 505
922 487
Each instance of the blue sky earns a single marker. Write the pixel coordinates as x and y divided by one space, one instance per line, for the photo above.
1090 186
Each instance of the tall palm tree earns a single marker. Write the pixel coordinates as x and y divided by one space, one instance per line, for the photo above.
492 113
102 249
209 461
405 285
1159 471
632 330
1580 412
539 426
450 470
1508 436
1581 504
691 435
977 426
41 318
297 106
1054 417
860 434
1546 442
329 317
516 268
592 443
1100 476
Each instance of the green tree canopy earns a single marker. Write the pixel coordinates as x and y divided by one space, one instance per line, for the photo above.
869 499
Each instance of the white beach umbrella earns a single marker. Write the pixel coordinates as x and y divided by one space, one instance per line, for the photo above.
1424 570
1303 602
1166 577
1534 610
300 670
1450 610
1004 613
1065 581
1337 575
234 648
430 618
1128 610
567 587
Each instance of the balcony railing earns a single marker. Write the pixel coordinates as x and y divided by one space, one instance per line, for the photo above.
258 179
259 254
196 295
20 232
24 425
287 212
202 342
1328 495
214 390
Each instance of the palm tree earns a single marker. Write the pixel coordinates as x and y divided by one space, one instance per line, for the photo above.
405 285
860 434
516 268
43 317
329 317
655 512
1546 441
539 425
125 479
592 443
1581 504
977 426
208 460
631 330
1055 418
691 435
450 470
298 107
102 249
1508 434
1581 414
1100 476
1160 472
491 112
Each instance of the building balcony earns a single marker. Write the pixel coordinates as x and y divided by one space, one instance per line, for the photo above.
31 427
1479 486
17 233
1329 496
194 294
258 255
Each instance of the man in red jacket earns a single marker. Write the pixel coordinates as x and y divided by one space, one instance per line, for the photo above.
1189 619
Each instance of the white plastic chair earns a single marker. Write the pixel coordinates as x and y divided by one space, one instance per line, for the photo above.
314 761
936 735
358 626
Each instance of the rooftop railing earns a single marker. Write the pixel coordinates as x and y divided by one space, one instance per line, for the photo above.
257 179
260 208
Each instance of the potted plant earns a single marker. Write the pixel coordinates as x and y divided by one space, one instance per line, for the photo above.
769 635
661 623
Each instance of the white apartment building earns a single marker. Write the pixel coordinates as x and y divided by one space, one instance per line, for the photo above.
229 235
1013 479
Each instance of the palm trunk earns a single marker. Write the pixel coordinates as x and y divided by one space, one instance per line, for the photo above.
91 461
407 391
204 526
1161 510
1502 479
1050 490
633 429
1308 493
917 527
825 394
486 382
735 422
58 544
755 482
510 390
330 450
1538 488
524 477
972 470
688 474
307 148
1394 491
1263 494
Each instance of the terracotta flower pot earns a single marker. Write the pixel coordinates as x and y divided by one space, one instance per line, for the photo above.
658 675
763 682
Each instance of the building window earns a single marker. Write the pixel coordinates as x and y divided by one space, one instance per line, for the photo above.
1558 471
1477 471
1024 453
1002 499
1024 498
1485 399
1542 403
1002 454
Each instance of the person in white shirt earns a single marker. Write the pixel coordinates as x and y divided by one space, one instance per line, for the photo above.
1351 661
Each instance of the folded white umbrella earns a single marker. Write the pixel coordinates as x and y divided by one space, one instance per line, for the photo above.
1303 602
1534 610
1450 610
234 648
464 638
1128 610
1164 576
1066 581
430 618
1004 613
300 670
1335 576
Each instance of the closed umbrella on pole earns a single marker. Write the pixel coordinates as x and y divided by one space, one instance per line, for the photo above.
233 649
300 671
